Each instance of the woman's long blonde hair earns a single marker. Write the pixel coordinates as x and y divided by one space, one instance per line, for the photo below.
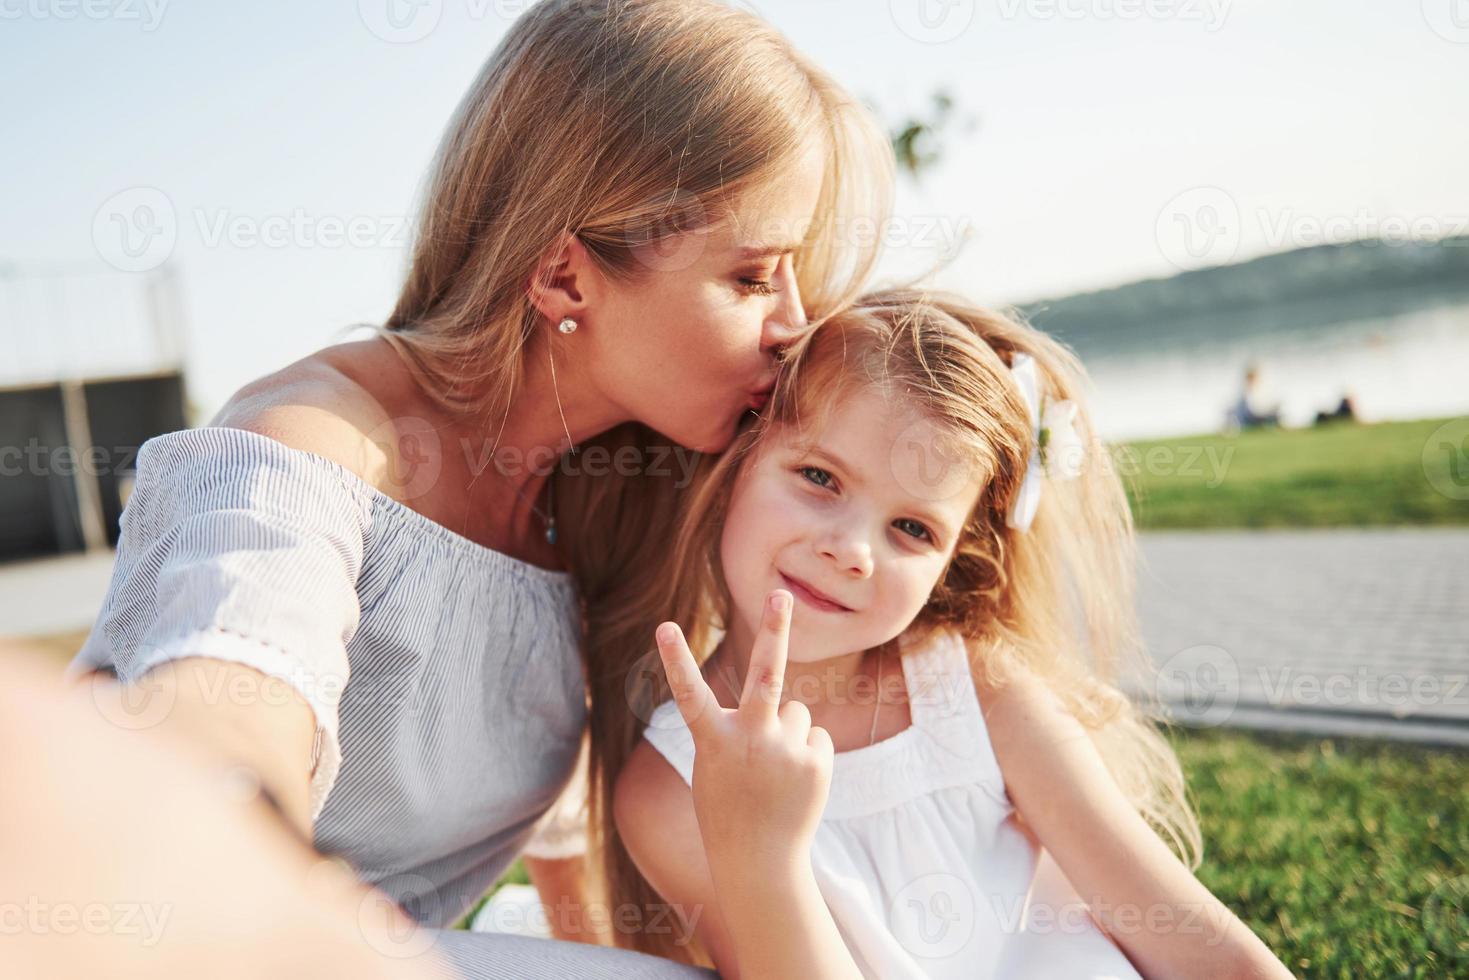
1057 599
622 122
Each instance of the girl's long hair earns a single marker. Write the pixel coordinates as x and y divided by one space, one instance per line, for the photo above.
1056 599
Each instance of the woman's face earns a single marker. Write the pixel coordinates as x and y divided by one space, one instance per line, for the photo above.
687 347
867 512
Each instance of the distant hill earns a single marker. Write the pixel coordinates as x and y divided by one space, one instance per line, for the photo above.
1308 287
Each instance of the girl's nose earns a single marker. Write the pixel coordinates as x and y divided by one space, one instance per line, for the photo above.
849 551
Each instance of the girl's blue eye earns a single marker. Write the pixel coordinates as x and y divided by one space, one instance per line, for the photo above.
816 469
922 534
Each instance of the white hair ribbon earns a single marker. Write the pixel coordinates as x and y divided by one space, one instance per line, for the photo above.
1054 454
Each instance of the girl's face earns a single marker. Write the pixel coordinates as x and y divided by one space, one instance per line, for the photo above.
857 521
689 346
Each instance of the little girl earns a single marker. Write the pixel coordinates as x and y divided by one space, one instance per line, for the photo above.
906 754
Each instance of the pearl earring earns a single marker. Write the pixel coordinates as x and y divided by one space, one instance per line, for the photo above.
568 325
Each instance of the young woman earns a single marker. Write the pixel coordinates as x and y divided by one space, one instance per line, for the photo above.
369 576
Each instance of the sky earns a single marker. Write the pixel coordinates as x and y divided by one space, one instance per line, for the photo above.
280 145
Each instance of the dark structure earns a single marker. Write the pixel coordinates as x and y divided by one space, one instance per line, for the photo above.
80 390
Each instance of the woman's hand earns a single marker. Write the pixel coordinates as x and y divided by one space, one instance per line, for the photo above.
762 771
142 854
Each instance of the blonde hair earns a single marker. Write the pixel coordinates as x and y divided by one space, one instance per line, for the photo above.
1056 599
623 122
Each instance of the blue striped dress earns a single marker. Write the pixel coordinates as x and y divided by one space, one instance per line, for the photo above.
445 677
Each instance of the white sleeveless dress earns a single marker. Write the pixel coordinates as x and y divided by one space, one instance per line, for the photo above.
919 856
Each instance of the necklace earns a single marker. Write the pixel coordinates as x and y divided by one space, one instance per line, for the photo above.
547 517
877 706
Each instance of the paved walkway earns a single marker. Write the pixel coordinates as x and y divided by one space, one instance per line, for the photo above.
1351 632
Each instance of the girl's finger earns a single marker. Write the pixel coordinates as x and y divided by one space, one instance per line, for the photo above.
820 740
690 693
761 696
795 720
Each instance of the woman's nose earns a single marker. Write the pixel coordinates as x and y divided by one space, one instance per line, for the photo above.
788 320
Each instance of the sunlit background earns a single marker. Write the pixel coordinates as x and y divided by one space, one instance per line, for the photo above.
268 155
197 193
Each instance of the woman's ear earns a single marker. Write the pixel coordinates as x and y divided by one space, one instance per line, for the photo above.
566 282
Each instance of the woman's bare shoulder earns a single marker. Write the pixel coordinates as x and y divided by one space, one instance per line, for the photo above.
320 404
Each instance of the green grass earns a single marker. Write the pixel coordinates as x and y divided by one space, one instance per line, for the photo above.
1336 475
1330 849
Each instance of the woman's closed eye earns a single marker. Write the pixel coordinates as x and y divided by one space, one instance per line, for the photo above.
756 286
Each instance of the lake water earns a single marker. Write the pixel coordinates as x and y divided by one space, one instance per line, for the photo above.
1404 365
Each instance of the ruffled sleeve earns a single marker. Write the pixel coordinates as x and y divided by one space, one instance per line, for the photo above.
236 547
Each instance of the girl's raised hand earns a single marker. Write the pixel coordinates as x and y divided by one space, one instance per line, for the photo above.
762 771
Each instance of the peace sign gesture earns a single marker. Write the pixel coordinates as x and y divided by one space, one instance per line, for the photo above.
762 771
